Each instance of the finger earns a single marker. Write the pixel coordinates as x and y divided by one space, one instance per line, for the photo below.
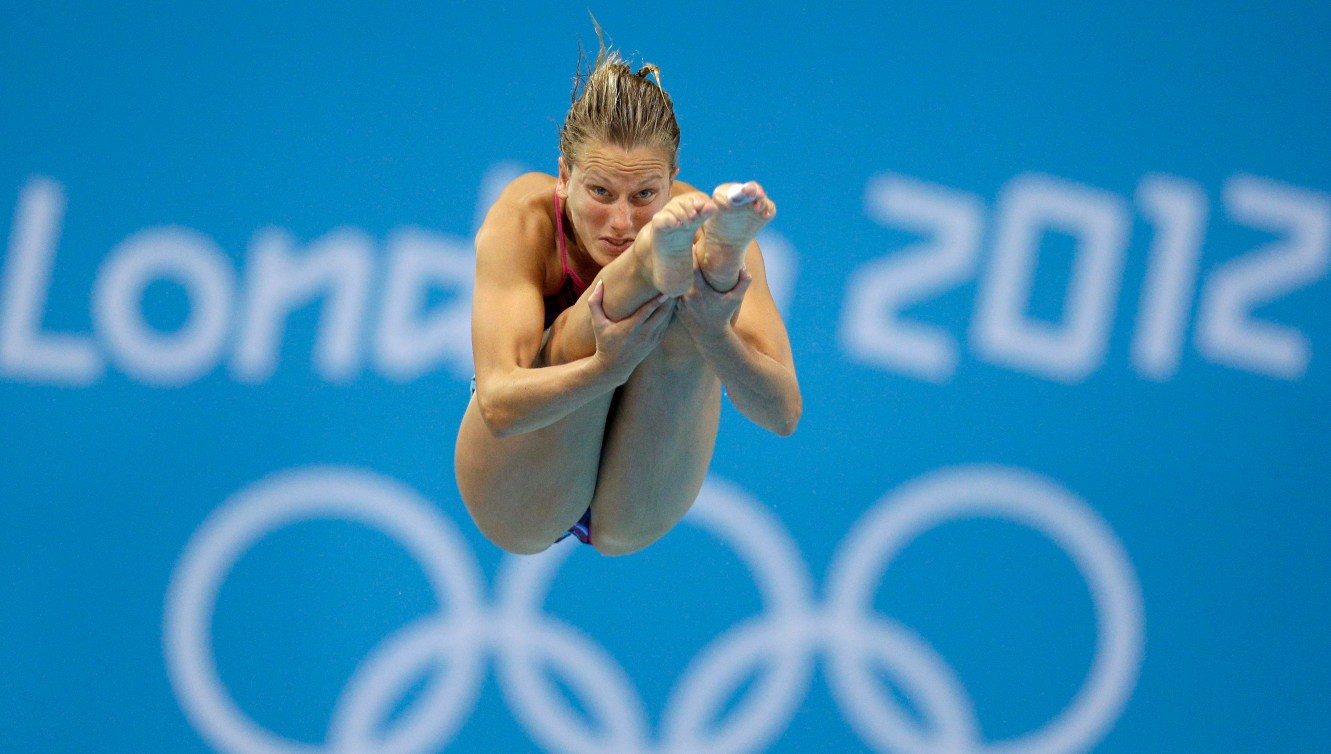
596 304
655 327
661 316
657 333
648 308
745 279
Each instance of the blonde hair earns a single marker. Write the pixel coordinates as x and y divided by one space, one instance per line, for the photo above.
613 104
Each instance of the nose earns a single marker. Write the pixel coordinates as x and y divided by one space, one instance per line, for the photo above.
621 217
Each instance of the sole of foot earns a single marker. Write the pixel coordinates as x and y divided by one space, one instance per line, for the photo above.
673 229
742 209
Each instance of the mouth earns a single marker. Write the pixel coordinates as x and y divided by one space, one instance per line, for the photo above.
616 245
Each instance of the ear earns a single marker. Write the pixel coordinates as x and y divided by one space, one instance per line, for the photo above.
561 183
674 173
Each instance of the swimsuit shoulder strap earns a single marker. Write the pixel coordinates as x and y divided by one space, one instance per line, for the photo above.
563 253
559 233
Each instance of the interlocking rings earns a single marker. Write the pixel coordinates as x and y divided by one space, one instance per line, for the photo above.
783 641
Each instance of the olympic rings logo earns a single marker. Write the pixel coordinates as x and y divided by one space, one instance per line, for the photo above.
784 640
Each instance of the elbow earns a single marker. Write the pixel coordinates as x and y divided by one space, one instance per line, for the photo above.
789 417
786 427
499 422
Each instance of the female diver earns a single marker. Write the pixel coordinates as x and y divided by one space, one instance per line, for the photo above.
611 304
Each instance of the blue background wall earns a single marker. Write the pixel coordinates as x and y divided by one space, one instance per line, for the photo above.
1080 252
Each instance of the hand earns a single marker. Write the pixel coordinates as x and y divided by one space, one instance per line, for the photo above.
622 345
707 312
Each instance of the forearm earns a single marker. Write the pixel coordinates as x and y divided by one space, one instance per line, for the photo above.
763 389
527 399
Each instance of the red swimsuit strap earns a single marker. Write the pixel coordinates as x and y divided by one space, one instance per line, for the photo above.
563 255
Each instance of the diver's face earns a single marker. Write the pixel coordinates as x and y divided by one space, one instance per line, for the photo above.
611 193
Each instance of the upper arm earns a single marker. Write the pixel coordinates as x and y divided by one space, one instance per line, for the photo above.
508 307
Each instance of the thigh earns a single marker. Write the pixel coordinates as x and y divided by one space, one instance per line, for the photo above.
525 491
658 444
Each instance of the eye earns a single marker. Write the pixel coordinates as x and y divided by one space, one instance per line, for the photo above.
599 191
647 195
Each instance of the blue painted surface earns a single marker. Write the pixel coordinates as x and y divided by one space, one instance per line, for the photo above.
373 130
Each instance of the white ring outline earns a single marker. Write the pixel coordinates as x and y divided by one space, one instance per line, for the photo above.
271 503
786 634
728 514
1023 497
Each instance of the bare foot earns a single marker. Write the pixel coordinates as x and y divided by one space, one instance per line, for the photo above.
742 209
670 242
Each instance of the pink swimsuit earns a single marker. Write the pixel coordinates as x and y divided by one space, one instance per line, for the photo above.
571 288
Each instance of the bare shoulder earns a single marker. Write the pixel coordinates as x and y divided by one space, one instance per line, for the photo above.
512 260
526 202
519 227
528 187
679 188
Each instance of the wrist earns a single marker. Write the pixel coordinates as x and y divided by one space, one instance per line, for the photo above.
710 335
726 285
606 372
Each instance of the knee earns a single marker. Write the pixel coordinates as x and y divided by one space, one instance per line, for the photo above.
516 543
517 528
615 547
612 543
529 538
